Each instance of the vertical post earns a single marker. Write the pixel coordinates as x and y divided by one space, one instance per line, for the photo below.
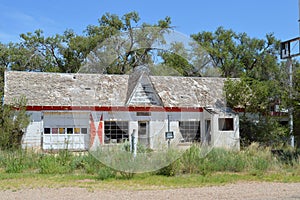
299 17
133 145
169 140
290 65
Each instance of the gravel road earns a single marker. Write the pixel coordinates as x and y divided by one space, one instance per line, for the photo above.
253 191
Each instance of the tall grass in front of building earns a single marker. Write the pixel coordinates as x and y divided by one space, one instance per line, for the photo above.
254 161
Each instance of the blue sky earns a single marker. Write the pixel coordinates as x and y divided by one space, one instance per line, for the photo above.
254 17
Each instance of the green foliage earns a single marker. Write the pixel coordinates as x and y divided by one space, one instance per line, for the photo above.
254 160
191 159
173 164
256 98
266 132
12 124
17 160
237 54
106 173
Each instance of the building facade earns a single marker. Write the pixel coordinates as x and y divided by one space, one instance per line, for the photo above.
83 111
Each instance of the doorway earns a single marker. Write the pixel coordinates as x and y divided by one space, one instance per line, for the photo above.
143 133
207 136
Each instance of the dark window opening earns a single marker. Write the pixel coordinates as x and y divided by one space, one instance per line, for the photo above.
226 124
47 130
143 113
190 131
142 128
115 131
84 130
69 130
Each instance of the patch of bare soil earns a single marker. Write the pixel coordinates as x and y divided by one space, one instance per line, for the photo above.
249 191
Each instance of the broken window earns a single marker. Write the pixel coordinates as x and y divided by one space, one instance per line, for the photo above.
226 124
190 131
115 131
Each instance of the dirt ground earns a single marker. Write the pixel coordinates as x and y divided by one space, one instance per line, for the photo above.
261 191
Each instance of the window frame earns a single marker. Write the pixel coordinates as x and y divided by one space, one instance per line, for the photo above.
228 124
188 127
116 131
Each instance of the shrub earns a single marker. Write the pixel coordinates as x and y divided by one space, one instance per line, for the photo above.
106 173
191 159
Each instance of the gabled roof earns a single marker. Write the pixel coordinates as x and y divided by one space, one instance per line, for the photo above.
60 89
142 92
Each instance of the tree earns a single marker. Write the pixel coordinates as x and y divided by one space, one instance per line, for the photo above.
255 98
237 54
125 45
262 80
12 123
296 101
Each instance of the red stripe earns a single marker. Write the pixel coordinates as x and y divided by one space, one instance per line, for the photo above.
117 108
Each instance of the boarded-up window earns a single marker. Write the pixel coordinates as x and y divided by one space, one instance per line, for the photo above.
226 124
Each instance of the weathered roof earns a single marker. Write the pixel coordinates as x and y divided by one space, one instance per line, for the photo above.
60 89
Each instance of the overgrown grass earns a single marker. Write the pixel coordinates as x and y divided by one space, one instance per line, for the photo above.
196 167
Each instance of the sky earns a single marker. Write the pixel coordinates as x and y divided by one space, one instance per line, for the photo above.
254 17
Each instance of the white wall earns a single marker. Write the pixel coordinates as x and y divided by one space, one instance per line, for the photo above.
33 133
158 125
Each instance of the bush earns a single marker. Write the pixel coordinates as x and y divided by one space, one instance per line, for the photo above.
49 164
191 159
170 170
18 160
226 160
106 173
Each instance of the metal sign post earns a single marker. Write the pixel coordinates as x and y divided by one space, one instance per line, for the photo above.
287 53
169 134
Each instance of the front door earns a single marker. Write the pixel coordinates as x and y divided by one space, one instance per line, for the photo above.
143 133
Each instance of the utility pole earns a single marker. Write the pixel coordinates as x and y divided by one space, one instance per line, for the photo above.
290 65
286 52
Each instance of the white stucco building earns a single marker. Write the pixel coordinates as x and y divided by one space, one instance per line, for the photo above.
82 111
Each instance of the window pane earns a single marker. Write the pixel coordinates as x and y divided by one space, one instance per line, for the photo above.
115 131
54 130
84 130
47 130
61 130
76 130
226 124
69 130
190 131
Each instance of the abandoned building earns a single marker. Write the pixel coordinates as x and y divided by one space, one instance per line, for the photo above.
83 111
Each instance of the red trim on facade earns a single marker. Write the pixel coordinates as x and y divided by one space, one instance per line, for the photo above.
92 131
100 131
117 108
